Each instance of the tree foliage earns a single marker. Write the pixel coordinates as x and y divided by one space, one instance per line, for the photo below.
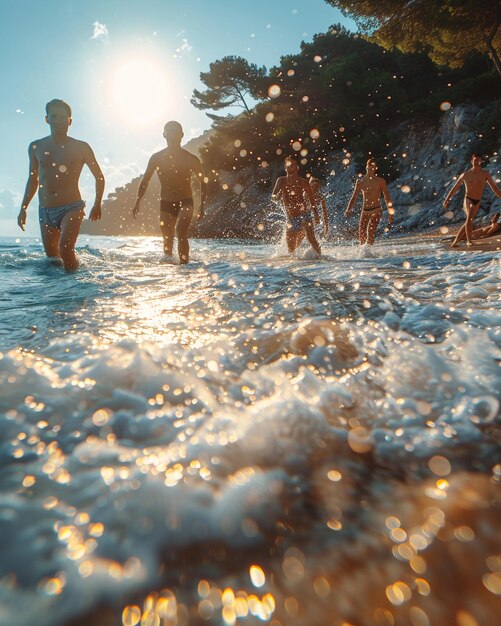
343 92
449 30
230 81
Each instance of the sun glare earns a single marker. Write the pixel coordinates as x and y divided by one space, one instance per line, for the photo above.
140 91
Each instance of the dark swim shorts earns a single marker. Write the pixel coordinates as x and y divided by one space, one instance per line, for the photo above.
295 224
53 216
173 208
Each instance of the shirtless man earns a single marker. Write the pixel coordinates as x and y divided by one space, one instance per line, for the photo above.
174 166
320 200
56 163
371 187
474 181
295 194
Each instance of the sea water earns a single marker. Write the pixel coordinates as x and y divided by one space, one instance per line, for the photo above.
250 438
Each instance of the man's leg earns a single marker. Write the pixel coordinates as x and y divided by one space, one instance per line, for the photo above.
310 235
167 226
50 240
374 220
465 232
362 228
290 239
468 226
183 224
70 226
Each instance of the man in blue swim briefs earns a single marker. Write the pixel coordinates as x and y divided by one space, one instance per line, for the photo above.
474 181
56 163
372 187
300 207
175 167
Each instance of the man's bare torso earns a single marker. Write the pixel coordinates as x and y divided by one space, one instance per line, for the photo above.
292 193
474 182
371 188
59 169
174 169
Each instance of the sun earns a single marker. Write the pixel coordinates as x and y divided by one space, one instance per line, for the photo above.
139 89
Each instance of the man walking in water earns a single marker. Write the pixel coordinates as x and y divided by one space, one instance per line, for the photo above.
174 166
295 194
371 187
474 182
56 163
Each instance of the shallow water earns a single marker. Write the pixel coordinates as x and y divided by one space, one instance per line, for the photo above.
250 438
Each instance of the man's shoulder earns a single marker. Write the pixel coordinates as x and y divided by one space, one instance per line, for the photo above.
190 156
36 143
79 144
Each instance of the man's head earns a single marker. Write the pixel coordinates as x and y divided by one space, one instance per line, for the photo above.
371 166
173 132
291 166
58 114
476 160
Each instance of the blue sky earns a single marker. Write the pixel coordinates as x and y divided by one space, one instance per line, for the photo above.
105 56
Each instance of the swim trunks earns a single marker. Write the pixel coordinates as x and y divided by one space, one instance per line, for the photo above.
53 216
373 208
296 223
173 208
472 200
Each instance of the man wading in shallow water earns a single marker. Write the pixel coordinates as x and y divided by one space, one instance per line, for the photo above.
298 201
56 163
474 181
371 187
174 166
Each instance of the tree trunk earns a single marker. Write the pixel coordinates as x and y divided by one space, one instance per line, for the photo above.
488 39
243 101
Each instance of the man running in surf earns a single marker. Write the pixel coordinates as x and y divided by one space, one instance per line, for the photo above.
298 201
371 187
175 167
474 181
56 163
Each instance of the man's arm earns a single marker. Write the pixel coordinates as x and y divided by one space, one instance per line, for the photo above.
202 181
353 199
389 203
453 191
493 185
325 217
31 186
92 164
276 194
143 185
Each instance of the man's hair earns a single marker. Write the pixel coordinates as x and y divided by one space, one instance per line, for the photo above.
60 103
290 159
476 155
370 161
172 126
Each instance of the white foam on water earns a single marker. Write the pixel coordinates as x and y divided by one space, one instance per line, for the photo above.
160 414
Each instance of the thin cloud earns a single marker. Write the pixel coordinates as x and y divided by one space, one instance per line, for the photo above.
100 31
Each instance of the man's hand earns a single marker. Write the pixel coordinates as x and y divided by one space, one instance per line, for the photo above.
446 203
347 213
95 213
201 215
135 210
21 219
326 229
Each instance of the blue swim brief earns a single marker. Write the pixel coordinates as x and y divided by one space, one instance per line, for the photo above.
295 224
52 217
